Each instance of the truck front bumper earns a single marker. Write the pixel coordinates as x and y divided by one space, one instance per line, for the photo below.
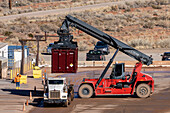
55 101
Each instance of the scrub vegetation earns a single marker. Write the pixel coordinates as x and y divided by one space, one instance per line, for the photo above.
25 6
142 24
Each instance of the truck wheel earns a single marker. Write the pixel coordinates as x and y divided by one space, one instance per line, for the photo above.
85 91
69 99
143 91
45 104
66 103
72 95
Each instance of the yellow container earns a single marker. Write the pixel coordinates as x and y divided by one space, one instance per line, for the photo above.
37 73
23 79
36 68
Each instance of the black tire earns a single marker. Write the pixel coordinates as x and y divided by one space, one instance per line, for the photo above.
66 103
69 99
85 91
45 104
143 90
72 95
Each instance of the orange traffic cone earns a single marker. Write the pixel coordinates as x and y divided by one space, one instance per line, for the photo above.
23 107
30 95
27 102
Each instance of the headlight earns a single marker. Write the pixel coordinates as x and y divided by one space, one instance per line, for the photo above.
65 89
45 95
104 49
63 96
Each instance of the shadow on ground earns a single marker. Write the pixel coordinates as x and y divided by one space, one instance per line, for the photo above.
36 93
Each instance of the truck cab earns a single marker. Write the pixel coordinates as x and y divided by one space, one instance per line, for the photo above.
56 91
95 55
49 48
103 47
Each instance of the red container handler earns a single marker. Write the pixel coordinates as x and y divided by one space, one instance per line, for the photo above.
64 60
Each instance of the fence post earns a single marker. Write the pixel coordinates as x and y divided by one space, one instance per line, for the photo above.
25 67
17 70
28 67
13 72
11 75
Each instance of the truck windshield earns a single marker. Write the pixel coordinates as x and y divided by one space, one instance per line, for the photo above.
101 44
55 81
95 52
50 45
167 54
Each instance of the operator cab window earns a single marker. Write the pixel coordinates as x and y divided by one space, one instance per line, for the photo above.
55 81
117 71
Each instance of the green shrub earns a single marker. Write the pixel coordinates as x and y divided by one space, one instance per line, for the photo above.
156 7
149 25
7 33
82 46
140 42
30 35
164 43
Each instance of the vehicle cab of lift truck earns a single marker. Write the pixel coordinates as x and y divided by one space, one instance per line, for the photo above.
137 83
121 79
119 83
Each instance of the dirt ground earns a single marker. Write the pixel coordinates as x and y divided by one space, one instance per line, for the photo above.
157 103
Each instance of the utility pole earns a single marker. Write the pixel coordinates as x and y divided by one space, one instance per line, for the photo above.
23 43
37 56
10 4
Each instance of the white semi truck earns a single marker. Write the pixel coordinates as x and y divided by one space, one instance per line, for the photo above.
57 91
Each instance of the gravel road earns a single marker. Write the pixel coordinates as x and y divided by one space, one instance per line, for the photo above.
64 10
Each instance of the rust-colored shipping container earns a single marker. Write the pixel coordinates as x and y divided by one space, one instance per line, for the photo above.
64 60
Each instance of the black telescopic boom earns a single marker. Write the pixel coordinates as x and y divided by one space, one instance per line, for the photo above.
74 22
